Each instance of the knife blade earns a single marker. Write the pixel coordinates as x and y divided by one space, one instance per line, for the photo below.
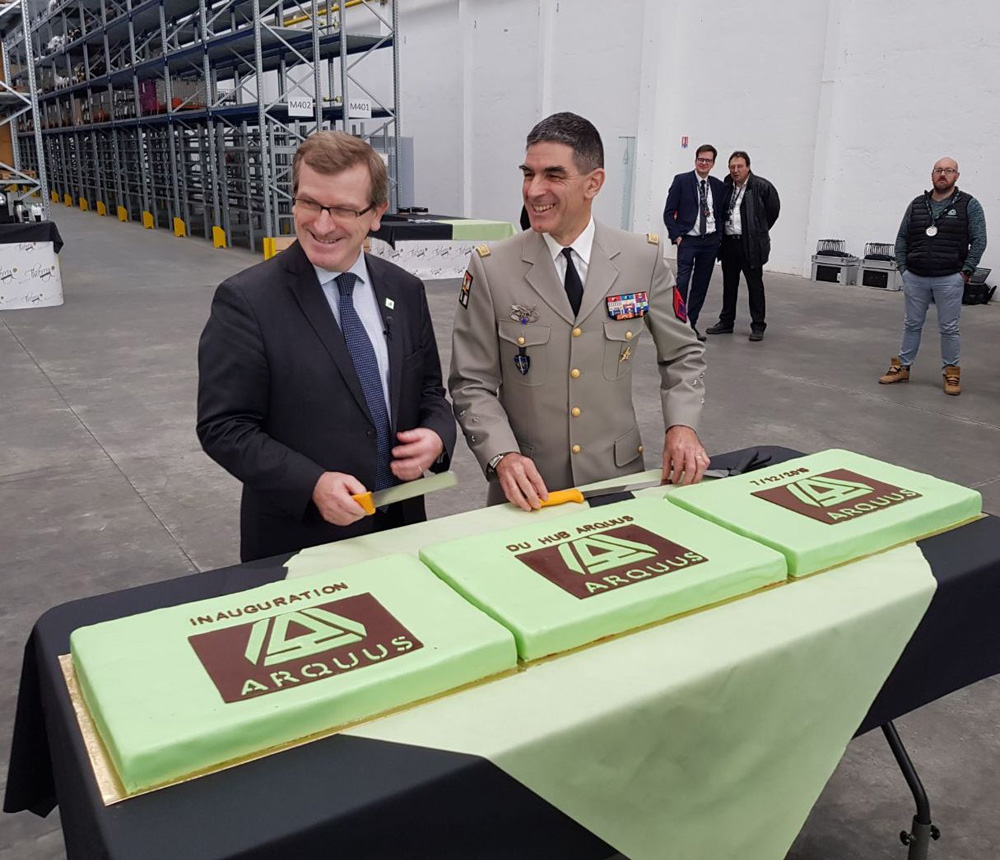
561 497
407 490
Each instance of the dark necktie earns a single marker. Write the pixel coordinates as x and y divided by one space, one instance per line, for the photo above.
366 365
703 199
574 286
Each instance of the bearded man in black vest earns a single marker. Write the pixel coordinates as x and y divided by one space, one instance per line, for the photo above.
940 242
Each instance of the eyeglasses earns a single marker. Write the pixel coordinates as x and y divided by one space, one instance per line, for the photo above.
705 160
937 171
339 213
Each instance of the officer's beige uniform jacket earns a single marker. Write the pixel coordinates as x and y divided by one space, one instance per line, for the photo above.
572 411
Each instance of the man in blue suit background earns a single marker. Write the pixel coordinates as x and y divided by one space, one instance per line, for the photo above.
693 216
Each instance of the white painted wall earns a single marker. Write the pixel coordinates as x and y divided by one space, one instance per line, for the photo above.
843 104
431 101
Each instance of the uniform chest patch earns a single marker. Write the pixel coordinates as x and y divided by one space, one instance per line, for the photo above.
680 310
628 306
463 296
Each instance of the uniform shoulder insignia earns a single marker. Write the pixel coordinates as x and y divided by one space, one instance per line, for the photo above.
483 250
653 239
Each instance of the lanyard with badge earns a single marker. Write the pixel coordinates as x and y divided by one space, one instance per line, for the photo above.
735 200
933 230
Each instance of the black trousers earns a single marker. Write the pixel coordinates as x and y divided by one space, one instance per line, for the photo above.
734 263
695 261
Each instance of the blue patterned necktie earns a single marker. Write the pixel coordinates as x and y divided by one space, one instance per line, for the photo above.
366 365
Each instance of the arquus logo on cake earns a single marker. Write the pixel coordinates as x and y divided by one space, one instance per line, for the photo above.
600 562
284 651
837 496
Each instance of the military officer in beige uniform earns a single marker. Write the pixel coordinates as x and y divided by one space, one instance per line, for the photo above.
545 337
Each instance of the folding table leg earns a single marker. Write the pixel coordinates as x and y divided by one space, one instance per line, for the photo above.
919 838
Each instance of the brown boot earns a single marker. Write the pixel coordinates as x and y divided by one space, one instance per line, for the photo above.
896 373
952 374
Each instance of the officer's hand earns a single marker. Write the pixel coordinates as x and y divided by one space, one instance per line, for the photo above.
332 495
966 276
684 457
421 447
678 240
521 483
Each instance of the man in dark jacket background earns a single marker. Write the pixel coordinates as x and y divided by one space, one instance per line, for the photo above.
751 208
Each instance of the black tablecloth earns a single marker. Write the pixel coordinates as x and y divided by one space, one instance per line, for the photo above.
360 798
38 231
397 228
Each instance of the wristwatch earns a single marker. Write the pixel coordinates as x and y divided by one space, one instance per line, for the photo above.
491 467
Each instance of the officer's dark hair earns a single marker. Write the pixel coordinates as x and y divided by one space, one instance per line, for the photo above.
740 154
707 147
577 133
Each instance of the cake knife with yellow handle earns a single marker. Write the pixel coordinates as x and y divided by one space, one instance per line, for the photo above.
561 497
573 494
407 490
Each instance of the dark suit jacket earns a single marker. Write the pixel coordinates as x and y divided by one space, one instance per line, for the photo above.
680 214
279 401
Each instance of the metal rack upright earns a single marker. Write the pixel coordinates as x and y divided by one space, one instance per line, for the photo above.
25 178
185 114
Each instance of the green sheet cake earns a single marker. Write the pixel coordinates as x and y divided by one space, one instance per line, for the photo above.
180 690
831 507
564 582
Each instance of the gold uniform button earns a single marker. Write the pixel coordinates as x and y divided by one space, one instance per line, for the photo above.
575 412
577 332
576 449
628 335
640 449
575 373
520 341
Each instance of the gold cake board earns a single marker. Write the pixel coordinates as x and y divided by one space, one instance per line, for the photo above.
110 786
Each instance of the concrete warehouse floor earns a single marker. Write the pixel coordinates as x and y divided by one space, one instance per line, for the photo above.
103 484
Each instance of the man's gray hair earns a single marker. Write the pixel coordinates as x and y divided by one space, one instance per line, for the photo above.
577 133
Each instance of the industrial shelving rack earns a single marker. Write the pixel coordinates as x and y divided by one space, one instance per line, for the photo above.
25 177
184 114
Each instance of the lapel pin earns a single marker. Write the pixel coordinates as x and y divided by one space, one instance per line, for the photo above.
390 304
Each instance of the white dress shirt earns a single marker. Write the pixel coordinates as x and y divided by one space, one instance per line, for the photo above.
710 220
366 304
581 253
734 226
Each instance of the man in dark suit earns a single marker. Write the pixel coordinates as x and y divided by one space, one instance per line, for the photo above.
752 206
319 374
693 216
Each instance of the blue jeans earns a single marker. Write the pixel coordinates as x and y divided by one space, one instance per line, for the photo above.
946 292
